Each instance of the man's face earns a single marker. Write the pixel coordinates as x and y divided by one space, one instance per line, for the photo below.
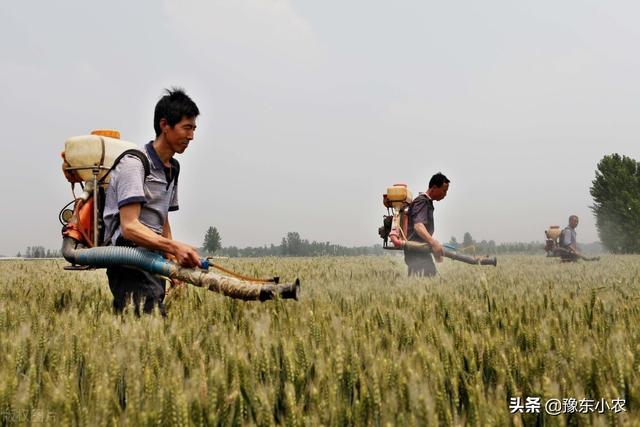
440 193
573 222
179 136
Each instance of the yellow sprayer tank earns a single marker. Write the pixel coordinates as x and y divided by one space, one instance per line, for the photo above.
397 196
553 232
100 148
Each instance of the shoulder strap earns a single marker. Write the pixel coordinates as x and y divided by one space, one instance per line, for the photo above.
561 237
147 170
134 152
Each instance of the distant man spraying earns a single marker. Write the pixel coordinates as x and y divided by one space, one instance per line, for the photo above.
420 227
567 241
137 204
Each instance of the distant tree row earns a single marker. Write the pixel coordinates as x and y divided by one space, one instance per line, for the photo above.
39 252
292 245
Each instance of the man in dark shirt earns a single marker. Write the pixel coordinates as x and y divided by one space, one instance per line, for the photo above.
420 227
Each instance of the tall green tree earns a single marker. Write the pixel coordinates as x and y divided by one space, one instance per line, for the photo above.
616 196
212 241
294 244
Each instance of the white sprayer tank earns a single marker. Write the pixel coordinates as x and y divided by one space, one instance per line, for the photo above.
93 150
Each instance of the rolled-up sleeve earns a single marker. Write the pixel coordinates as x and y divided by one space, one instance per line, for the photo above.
420 212
129 187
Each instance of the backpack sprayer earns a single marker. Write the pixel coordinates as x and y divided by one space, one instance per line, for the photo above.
397 200
87 161
554 236
552 243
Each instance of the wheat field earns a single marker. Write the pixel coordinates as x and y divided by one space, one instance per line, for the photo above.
364 345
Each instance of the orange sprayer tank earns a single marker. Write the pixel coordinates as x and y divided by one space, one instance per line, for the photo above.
80 227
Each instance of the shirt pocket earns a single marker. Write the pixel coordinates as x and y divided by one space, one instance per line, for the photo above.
154 188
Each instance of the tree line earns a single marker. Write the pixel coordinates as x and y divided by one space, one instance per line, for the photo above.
291 245
39 252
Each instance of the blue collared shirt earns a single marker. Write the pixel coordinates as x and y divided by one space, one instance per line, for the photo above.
568 239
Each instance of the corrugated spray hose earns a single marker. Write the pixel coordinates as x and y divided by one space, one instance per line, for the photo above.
152 262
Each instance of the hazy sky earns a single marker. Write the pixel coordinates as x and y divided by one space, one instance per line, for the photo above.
310 109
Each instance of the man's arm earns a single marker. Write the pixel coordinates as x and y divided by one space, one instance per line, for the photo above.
574 243
166 230
438 251
140 234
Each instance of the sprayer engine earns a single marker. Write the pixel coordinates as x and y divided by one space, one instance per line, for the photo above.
397 200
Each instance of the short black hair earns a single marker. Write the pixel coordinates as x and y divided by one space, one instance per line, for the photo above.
172 107
438 180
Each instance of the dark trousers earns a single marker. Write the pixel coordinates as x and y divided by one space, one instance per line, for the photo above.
566 255
420 264
130 283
